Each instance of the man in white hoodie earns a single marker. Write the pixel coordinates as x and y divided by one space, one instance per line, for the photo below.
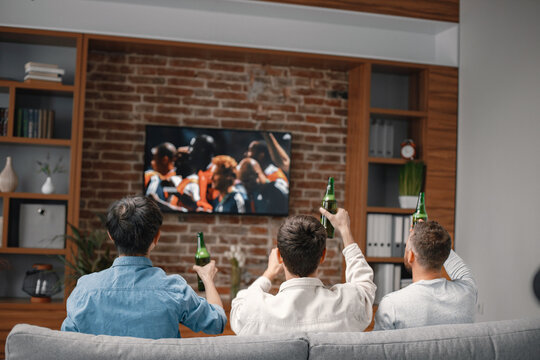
303 303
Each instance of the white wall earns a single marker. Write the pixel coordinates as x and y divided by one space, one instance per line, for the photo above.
498 170
253 24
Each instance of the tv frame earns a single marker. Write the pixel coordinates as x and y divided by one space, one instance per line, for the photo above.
180 136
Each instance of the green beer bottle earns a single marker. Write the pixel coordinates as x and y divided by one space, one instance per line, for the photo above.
329 204
202 257
420 213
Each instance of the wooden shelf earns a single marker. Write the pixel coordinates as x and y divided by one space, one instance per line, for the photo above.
396 260
388 210
38 85
35 141
24 303
398 114
37 196
387 161
32 251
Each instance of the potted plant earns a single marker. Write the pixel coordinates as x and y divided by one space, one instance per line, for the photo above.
90 252
411 176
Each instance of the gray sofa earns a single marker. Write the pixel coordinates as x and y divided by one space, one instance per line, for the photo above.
512 339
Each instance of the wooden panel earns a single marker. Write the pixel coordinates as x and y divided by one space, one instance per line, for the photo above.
441 146
357 151
442 10
50 318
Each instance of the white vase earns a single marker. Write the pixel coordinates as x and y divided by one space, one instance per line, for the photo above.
408 202
8 178
48 186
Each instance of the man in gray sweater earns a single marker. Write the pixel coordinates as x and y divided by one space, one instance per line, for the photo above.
430 299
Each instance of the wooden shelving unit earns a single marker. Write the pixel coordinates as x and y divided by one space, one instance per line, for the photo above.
421 100
19 46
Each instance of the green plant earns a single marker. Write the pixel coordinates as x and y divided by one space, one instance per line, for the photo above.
90 252
411 176
46 167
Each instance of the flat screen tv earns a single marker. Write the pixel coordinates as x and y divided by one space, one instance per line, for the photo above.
200 170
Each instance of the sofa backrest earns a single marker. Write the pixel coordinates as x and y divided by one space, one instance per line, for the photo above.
28 342
512 339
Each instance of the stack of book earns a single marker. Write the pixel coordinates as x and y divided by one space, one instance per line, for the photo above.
35 123
3 121
42 72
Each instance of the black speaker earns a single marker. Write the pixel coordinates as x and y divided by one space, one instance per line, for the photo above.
536 285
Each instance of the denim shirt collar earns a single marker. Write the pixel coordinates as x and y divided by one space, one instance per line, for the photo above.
132 261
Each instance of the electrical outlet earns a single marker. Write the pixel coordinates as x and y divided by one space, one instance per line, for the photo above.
480 308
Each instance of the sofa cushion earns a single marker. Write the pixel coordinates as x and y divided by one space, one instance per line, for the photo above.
512 339
33 342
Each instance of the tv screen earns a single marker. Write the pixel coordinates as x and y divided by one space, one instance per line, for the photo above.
199 170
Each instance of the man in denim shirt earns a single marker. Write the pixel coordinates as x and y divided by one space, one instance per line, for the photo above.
133 298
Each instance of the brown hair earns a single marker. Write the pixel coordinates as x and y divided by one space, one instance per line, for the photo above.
225 167
432 244
301 241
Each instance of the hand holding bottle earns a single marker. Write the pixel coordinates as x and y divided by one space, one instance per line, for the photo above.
207 272
342 222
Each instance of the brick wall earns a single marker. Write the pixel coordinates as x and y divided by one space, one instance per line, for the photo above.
125 92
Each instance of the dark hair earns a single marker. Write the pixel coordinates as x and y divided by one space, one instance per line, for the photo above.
165 149
301 241
259 148
133 222
432 244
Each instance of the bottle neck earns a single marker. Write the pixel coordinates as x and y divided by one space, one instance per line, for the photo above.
329 190
421 205
330 187
200 242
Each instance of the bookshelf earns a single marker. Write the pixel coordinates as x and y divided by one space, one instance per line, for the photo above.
19 46
418 102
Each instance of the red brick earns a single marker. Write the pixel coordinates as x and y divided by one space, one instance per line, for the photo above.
97 77
161 99
115 87
231 114
160 109
115 68
230 95
117 58
175 72
314 110
226 67
235 124
201 122
146 70
173 91
146 80
146 60
121 97
200 102
188 63
224 86
306 73
239 105
114 106
192 83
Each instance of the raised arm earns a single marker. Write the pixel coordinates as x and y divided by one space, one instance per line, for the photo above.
278 155
457 270
357 272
